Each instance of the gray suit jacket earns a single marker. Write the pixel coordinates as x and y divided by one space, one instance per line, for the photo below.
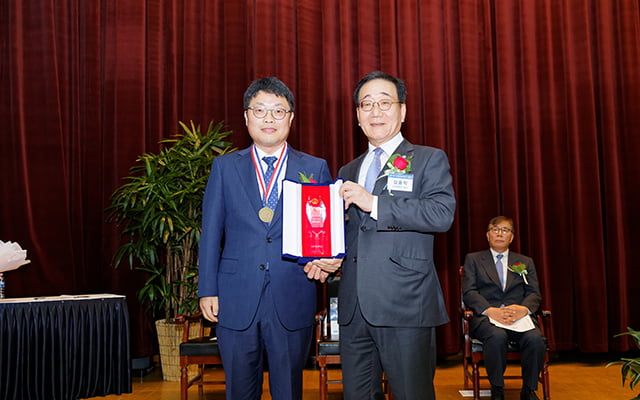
388 269
481 286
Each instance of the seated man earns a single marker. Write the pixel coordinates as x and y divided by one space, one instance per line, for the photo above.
498 294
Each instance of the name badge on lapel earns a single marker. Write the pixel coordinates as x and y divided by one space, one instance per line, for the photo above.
400 182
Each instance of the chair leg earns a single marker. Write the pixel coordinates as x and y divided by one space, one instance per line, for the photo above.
184 382
323 383
476 382
386 389
545 383
465 372
201 381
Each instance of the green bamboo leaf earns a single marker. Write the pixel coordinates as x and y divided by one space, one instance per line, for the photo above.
158 212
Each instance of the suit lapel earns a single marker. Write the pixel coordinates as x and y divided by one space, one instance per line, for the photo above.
294 165
247 180
404 148
513 259
490 267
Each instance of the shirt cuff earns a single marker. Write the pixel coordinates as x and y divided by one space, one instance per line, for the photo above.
374 208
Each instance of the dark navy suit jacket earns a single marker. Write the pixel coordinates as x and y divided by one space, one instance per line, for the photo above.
236 246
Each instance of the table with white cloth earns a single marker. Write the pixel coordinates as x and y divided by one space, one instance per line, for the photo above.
64 347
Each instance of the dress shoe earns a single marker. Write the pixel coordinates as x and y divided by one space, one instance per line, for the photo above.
526 394
497 393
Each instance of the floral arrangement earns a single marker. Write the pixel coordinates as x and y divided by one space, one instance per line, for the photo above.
520 269
12 256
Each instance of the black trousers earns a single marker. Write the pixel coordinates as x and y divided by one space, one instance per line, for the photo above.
406 355
495 340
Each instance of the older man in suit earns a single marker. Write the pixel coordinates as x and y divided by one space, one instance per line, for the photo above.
262 302
497 294
390 300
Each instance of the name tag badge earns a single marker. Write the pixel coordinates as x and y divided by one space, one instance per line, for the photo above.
400 182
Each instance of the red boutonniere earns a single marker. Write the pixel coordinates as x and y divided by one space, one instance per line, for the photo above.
520 269
397 164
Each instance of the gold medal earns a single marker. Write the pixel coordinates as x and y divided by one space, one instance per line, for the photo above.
265 214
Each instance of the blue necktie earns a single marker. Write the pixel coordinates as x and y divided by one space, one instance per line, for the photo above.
272 201
373 171
500 269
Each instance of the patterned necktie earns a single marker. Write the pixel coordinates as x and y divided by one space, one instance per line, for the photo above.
500 269
373 171
272 201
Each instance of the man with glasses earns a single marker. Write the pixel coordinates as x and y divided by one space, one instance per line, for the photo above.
398 195
501 287
262 302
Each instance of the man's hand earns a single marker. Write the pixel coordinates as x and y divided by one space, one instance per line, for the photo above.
352 193
517 311
321 268
209 307
507 315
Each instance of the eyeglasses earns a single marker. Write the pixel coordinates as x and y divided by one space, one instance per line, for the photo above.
383 105
261 112
497 229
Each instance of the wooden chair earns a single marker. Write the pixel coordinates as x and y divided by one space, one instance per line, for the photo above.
327 351
473 354
327 346
201 350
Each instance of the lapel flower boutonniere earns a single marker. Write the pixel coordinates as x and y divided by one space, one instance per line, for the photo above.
397 165
306 179
520 269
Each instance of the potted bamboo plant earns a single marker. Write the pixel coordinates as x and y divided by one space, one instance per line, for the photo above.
159 210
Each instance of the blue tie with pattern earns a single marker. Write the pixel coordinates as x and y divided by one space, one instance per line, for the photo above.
272 201
500 269
373 171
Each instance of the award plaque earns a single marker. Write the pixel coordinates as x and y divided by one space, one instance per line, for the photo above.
313 221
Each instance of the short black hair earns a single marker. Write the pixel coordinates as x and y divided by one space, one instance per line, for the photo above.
271 85
400 87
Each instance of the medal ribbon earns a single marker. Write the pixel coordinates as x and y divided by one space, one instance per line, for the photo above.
264 192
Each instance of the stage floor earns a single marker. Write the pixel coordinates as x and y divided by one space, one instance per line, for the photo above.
572 376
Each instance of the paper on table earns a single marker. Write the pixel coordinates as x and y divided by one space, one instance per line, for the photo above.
522 325
11 256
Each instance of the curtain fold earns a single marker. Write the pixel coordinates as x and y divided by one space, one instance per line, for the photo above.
537 105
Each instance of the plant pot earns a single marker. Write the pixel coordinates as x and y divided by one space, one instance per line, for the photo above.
169 339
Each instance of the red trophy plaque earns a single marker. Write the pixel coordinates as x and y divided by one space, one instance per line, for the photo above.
313 220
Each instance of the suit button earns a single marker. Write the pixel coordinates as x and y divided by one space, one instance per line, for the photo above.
363 228
269 240
262 267
355 259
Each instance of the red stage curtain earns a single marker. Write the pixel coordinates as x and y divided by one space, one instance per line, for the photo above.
537 104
